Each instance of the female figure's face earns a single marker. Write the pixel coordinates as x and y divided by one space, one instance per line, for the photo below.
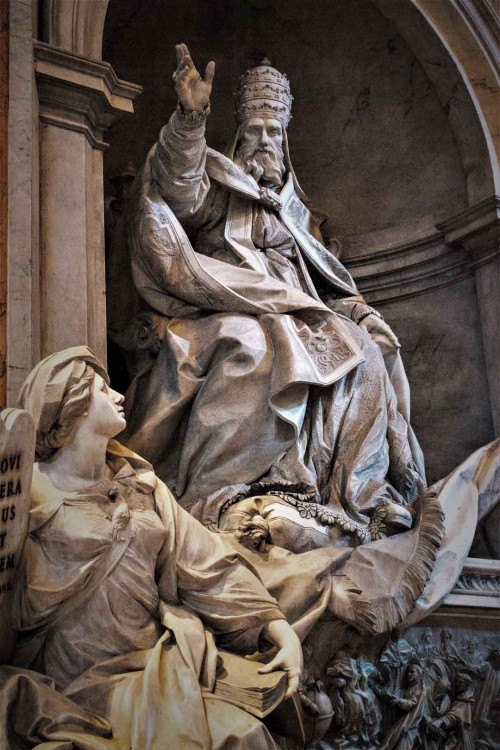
106 415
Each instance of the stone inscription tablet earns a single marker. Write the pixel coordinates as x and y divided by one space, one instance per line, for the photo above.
17 447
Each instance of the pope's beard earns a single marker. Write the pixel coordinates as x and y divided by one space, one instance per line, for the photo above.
264 165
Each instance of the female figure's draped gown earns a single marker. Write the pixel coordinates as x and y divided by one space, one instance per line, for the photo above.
115 622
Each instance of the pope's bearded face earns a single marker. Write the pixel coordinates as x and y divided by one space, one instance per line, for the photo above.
260 150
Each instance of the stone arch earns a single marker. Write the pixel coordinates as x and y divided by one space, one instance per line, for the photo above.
469 30
75 25
454 43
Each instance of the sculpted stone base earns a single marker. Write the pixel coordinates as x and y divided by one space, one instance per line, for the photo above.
433 686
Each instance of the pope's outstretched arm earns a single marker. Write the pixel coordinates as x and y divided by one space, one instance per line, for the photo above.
178 163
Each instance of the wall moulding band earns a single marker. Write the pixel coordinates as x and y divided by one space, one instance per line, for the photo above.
409 270
476 593
479 576
447 254
80 94
78 116
477 228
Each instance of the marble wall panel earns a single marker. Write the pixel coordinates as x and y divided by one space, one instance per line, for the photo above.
64 242
442 350
487 282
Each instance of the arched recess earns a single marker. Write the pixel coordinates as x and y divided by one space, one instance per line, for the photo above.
464 53
464 58
469 30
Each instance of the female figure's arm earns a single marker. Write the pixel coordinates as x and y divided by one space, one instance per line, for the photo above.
197 570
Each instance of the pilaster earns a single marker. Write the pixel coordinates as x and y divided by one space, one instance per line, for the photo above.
23 202
79 99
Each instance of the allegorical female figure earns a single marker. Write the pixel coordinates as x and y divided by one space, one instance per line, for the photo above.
123 592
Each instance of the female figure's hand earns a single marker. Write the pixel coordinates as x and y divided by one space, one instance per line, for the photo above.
193 92
289 656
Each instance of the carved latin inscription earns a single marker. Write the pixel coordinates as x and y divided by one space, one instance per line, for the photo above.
17 441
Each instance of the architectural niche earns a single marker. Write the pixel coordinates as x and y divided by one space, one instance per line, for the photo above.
435 277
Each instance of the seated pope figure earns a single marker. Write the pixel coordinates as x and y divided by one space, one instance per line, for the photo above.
123 593
267 380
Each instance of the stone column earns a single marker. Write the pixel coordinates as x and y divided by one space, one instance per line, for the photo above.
23 201
79 99
477 230
4 211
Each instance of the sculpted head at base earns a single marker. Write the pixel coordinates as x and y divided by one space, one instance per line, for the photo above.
63 389
105 413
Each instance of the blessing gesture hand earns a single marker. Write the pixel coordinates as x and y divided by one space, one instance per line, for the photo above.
192 90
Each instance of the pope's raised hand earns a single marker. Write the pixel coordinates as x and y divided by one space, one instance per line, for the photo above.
192 90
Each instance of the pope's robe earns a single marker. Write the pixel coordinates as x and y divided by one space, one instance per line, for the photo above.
115 622
258 378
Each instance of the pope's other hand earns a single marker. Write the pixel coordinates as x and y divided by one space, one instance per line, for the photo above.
375 325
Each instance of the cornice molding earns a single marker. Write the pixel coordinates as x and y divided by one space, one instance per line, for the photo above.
477 228
444 255
79 94
410 270
478 585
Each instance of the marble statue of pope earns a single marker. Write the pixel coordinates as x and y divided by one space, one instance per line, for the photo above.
267 380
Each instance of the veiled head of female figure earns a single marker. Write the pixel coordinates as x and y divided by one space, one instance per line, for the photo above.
64 389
